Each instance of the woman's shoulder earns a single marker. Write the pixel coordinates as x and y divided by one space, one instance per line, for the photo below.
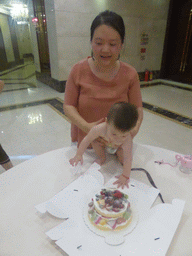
127 67
81 64
80 68
128 72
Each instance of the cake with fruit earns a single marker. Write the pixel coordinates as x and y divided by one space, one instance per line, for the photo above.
110 210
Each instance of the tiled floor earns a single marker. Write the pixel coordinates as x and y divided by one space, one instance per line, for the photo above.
32 120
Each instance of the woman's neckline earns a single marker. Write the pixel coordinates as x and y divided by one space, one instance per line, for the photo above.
101 78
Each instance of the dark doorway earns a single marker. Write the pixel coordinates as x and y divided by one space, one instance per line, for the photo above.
42 36
12 27
3 57
177 55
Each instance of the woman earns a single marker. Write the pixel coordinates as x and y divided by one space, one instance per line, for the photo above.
99 81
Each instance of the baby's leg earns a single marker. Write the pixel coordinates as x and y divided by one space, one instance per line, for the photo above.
120 155
100 152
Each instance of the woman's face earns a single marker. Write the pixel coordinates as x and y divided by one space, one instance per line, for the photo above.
106 45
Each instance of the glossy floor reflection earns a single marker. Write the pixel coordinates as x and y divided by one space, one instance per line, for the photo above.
32 121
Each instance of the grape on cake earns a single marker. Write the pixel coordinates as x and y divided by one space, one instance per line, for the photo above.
110 210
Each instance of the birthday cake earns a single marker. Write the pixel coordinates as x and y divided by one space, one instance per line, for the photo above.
110 210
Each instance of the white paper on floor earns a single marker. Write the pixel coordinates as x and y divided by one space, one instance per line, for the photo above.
152 235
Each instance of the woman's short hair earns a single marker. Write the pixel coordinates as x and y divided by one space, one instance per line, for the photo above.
111 19
123 116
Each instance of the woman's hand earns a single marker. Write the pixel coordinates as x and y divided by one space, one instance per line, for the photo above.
76 159
91 125
72 113
121 182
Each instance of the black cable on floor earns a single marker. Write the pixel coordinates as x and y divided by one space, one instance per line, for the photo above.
150 180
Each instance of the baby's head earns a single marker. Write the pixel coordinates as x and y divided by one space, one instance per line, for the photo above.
123 116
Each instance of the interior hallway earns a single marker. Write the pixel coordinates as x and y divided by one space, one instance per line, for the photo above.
32 121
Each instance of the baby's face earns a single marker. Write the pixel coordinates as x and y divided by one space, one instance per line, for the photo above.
116 136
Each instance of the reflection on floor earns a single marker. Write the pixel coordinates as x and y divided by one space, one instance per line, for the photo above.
32 121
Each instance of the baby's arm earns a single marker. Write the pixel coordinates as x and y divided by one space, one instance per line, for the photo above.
91 136
127 158
126 151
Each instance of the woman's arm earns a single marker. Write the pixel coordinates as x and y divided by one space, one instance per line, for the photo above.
71 100
135 98
72 113
125 157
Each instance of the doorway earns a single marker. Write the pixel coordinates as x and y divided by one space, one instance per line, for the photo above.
3 55
42 35
17 67
177 55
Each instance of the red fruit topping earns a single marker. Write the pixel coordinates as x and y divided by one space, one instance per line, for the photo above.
118 194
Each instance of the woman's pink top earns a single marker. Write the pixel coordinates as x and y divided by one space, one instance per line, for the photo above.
93 97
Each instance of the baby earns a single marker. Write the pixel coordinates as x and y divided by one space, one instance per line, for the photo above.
121 118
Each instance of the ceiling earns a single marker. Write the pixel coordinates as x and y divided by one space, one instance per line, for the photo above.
7 4
18 9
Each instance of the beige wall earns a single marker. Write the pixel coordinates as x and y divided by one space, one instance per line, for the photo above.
23 39
7 37
69 31
53 40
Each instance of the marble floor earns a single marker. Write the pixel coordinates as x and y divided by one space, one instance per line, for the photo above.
32 121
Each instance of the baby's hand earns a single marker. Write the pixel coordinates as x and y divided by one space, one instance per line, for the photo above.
121 182
74 161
